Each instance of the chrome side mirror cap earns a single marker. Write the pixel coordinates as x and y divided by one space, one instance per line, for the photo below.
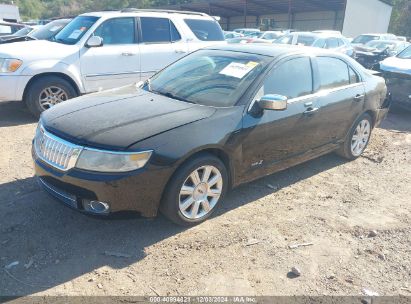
94 41
273 102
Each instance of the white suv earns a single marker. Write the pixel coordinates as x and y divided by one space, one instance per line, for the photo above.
98 51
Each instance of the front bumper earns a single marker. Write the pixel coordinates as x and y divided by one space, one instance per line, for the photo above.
138 191
12 87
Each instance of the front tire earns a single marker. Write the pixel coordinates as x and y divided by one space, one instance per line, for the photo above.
46 92
358 138
195 191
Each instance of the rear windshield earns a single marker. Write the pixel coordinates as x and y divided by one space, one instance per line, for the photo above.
405 54
363 39
49 30
205 30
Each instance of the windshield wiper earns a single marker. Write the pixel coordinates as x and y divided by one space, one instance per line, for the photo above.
170 95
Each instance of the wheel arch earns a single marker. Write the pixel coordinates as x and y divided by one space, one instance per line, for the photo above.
373 116
46 74
217 152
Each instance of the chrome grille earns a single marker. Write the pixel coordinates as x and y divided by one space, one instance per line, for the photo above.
55 151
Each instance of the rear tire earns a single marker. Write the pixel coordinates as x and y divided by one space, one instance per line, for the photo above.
46 92
195 191
358 138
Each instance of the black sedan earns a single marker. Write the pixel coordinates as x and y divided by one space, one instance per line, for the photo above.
213 120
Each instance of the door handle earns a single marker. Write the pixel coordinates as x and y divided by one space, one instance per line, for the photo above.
310 111
359 97
128 54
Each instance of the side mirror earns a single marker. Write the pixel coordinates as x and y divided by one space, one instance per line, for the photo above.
94 41
273 102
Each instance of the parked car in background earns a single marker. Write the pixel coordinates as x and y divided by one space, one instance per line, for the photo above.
242 40
402 38
329 32
248 32
217 118
50 30
8 28
20 33
375 51
101 50
365 38
268 36
334 42
397 72
231 35
40 32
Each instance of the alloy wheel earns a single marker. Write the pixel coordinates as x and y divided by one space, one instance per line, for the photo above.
51 96
360 137
200 192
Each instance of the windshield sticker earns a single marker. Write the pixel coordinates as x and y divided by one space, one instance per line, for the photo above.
238 70
75 34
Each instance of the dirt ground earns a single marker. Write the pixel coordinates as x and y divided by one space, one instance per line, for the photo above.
244 249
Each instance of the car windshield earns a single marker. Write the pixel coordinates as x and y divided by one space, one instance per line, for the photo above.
75 30
363 39
287 39
209 77
305 40
405 54
23 32
49 30
381 45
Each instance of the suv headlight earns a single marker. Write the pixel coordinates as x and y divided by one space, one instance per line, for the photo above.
9 65
106 161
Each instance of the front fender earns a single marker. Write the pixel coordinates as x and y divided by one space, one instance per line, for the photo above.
57 67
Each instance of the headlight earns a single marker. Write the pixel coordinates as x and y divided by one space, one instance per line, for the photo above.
103 161
9 65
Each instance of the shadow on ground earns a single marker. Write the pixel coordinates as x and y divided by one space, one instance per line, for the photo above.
64 244
14 113
398 120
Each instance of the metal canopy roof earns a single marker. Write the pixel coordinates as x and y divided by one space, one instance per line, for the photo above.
232 8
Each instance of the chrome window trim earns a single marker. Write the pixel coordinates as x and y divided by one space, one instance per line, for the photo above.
314 95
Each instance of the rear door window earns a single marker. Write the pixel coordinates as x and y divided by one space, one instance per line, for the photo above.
292 78
205 30
158 30
354 78
333 73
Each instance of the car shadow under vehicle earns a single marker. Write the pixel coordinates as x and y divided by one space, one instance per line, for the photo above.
397 120
14 113
64 244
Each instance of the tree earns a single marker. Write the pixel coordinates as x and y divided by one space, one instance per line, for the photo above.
401 18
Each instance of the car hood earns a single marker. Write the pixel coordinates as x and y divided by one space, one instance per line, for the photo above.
117 119
37 50
396 65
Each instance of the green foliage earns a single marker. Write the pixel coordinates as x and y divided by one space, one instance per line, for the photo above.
401 18
36 9
41 9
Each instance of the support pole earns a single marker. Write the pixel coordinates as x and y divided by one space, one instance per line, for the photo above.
289 14
245 13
